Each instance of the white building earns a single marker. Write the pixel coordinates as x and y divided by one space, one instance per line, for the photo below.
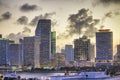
69 53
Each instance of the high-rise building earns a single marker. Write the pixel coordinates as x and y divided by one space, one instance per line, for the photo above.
118 49
104 47
43 30
92 53
60 60
69 53
53 43
0 35
21 48
117 55
14 52
4 57
31 51
82 48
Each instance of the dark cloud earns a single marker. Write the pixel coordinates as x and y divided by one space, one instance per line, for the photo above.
79 21
26 29
110 14
105 2
26 7
34 21
16 37
82 20
110 1
117 12
19 35
107 15
5 16
1 3
22 20
54 23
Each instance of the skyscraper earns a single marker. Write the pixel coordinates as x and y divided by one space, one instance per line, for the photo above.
118 49
4 46
21 47
82 48
117 55
92 53
60 60
0 35
31 51
53 43
14 53
69 53
43 30
104 46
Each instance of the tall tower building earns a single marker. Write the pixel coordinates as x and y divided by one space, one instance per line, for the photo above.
104 47
14 53
4 46
31 51
43 30
82 48
92 53
0 35
118 49
69 53
117 56
21 48
53 43
60 60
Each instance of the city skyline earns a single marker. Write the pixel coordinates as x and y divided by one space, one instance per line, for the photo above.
19 18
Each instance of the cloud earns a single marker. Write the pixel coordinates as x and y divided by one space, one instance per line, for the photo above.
19 35
26 29
5 16
26 7
16 37
81 23
1 3
110 14
110 1
105 2
34 21
22 20
82 20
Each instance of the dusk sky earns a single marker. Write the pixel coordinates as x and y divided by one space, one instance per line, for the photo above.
70 18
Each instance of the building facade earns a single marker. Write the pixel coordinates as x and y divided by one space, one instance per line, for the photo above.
92 53
53 43
31 51
0 35
82 49
14 54
43 30
60 60
69 53
117 55
4 46
21 55
104 47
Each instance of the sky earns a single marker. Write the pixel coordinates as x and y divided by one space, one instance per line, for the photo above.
71 19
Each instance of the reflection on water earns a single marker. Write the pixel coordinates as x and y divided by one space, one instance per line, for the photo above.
44 75
38 75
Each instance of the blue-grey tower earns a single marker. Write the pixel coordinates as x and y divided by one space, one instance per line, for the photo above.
104 47
43 30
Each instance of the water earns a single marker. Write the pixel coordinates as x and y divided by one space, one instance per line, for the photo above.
44 75
38 75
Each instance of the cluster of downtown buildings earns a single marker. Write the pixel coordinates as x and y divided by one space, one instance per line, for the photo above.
40 50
